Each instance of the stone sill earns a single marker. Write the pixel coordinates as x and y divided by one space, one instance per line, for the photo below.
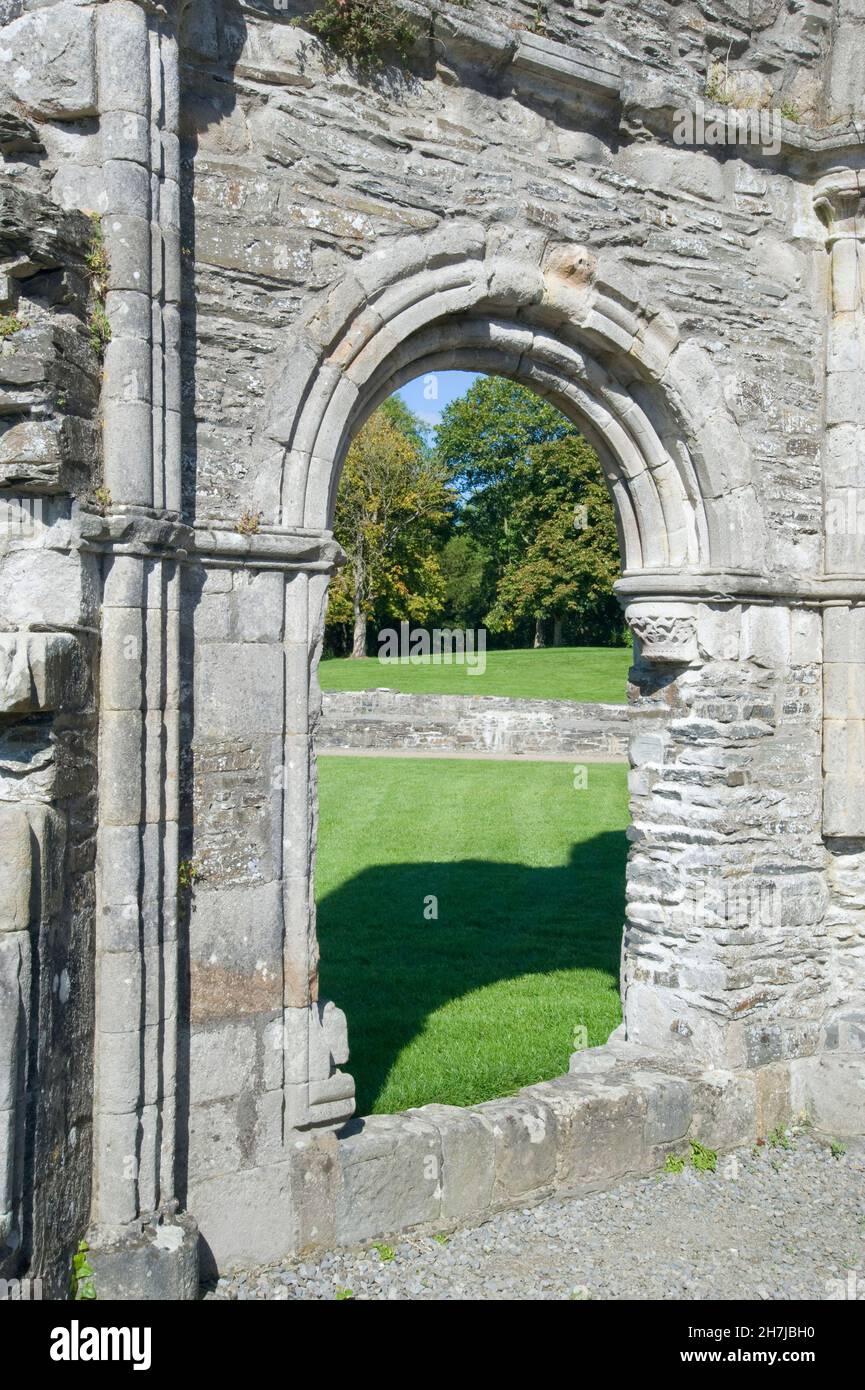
616 1116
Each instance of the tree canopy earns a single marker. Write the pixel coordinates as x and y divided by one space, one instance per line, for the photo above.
502 520
392 505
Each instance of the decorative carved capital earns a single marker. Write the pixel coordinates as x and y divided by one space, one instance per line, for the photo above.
667 632
839 201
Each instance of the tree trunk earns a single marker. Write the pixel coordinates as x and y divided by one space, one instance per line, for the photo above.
539 633
557 632
358 646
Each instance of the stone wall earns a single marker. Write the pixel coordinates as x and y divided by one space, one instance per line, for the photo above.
287 242
487 724
50 469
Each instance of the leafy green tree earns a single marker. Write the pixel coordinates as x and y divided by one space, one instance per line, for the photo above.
569 554
392 504
469 585
525 474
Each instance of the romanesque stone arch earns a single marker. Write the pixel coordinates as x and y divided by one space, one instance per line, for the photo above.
573 329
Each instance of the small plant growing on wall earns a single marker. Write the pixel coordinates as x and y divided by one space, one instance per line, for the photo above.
188 874
98 267
9 324
250 523
81 1281
362 32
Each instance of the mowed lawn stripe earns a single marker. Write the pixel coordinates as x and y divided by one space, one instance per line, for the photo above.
552 673
528 877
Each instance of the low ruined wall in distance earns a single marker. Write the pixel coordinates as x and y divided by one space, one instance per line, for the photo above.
388 720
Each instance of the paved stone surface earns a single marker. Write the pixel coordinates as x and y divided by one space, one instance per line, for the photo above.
771 1223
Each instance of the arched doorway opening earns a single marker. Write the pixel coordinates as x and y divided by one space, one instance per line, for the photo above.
472 786
552 318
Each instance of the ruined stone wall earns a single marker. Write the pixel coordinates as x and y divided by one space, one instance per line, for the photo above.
50 468
483 724
297 171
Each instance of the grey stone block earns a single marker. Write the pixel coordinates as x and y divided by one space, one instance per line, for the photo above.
526 1139
390 1168
468 1160
156 1263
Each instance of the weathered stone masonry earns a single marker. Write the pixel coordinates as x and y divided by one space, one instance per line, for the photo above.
288 244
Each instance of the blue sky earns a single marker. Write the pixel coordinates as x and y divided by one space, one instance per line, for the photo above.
428 395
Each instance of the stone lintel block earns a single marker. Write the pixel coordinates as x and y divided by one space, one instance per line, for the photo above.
156 1262
525 1131
390 1167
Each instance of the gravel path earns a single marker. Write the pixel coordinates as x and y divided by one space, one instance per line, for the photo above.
778 1223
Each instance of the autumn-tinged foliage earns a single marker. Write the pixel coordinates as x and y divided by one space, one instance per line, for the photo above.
505 522
392 503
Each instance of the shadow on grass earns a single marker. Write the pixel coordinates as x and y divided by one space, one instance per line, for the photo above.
390 969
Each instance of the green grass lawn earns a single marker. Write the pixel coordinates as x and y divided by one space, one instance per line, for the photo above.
529 877
552 673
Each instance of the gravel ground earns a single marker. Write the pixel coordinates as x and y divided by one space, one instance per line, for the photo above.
775 1223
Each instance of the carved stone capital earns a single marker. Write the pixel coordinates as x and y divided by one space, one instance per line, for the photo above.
839 201
666 632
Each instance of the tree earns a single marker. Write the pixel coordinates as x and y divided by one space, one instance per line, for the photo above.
469 585
570 553
392 503
524 473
